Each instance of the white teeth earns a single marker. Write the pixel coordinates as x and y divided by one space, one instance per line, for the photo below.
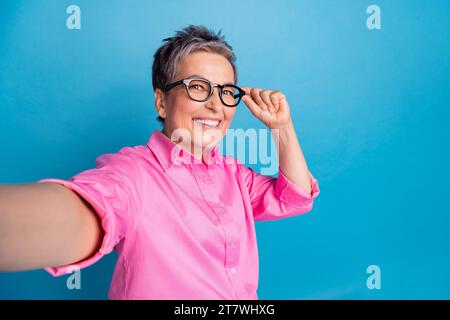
211 123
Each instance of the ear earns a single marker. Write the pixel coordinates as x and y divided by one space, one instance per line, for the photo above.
160 103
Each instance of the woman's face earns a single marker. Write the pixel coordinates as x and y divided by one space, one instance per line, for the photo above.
180 111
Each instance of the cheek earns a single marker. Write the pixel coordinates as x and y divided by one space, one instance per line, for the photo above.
183 111
229 114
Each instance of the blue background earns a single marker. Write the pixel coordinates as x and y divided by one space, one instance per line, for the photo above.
370 108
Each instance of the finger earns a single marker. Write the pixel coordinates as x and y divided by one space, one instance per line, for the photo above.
282 102
274 98
265 96
257 98
247 90
252 105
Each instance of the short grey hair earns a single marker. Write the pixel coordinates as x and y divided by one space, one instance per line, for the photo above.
188 40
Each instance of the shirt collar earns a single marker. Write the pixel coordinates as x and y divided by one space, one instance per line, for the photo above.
169 153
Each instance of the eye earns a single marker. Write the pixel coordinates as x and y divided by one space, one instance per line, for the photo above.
228 92
197 87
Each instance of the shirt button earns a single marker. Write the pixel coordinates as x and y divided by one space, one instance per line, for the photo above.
233 270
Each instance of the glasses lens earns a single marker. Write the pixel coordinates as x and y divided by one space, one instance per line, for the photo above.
199 90
230 95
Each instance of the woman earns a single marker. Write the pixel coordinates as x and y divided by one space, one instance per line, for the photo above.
180 215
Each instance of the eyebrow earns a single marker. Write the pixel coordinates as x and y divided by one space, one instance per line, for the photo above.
201 77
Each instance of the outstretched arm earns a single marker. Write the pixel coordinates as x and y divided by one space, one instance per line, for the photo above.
43 225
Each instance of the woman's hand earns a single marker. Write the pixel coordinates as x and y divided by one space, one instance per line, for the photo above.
269 106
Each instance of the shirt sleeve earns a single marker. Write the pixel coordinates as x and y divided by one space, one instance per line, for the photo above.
277 198
111 192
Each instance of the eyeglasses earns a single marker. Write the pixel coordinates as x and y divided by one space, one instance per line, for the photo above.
199 89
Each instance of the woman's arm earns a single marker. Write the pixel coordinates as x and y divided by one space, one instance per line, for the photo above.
291 159
272 108
43 225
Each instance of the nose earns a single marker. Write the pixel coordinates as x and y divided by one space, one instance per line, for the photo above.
214 101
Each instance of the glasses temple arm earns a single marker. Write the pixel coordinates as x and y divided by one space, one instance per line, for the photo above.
172 85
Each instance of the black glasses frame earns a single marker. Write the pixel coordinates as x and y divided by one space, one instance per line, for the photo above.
186 82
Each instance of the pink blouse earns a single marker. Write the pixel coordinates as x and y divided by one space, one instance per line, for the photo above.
182 229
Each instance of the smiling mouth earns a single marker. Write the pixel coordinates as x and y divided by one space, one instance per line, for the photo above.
208 123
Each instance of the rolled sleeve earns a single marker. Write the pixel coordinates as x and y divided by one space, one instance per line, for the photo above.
293 195
278 198
111 193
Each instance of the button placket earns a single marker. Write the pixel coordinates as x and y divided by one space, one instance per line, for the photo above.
203 179
231 232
